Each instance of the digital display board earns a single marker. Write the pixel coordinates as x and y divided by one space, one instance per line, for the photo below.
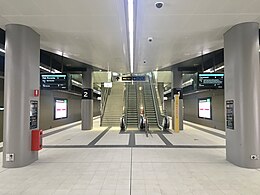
60 108
205 108
57 81
211 81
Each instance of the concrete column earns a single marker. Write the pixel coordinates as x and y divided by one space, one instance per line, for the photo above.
177 81
22 77
87 100
242 93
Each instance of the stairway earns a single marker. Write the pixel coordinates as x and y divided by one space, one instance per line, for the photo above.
114 106
149 105
131 113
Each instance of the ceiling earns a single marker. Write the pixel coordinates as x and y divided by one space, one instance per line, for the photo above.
91 31
95 32
184 29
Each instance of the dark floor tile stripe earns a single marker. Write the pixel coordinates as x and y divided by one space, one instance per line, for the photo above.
99 137
135 146
207 131
131 139
164 139
59 130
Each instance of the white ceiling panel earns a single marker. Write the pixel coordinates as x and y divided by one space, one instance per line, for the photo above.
94 32
182 29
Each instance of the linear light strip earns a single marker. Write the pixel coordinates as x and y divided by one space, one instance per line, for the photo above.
46 69
2 50
131 32
219 68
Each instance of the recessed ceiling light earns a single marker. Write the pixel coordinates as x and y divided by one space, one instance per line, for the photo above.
159 5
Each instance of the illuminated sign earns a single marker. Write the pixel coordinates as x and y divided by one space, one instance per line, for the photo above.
57 81
108 85
205 108
211 81
60 108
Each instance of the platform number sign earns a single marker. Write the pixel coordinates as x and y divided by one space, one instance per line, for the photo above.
87 93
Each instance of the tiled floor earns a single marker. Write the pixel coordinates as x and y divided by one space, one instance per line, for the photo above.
153 139
113 137
71 166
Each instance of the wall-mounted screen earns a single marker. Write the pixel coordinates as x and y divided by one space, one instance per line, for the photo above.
211 81
204 107
57 81
60 108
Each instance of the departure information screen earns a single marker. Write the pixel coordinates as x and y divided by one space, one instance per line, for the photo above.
54 81
211 81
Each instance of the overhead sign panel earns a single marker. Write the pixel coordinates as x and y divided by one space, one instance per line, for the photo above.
211 81
133 78
108 85
57 81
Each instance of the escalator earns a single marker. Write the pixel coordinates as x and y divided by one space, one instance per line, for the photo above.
131 108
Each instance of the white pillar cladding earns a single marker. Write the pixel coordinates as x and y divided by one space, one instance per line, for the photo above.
242 93
87 100
177 81
22 73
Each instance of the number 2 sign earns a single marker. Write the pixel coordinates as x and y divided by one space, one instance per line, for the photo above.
87 93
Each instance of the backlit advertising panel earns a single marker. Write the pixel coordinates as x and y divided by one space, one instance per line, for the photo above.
204 107
60 108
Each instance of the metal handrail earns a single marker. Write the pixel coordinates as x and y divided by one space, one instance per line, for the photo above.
137 103
159 100
155 103
126 102
103 104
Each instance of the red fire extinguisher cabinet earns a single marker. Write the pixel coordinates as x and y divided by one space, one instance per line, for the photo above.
36 140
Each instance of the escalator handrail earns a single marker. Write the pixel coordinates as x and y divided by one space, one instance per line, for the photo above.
155 103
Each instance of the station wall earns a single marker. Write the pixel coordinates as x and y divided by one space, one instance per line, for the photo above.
190 103
74 108
47 108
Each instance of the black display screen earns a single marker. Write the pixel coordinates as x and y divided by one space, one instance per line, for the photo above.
33 114
57 81
211 81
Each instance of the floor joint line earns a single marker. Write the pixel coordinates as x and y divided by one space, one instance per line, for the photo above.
93 142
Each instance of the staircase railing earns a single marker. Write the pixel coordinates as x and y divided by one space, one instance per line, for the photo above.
126 102
137 102
104 98
155 103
